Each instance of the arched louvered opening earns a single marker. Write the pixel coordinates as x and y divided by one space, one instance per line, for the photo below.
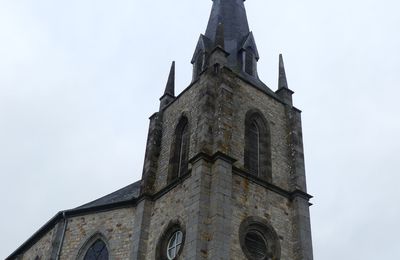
257 151
249 61
179 157
198 64
97 251
256 244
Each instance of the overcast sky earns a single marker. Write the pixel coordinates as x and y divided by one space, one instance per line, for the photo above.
79 79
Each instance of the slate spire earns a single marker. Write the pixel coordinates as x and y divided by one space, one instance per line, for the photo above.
228 30
169 93
282 83
170 87
232 14
283 88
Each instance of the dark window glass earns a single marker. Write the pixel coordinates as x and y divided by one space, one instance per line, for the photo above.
183 151
179 160
254 149
98 251
257 150
256 244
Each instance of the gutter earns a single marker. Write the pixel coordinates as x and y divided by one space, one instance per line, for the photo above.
62 235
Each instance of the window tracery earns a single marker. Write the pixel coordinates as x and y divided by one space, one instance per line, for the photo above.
97 251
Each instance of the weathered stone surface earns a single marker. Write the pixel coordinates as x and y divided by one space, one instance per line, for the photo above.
115 226
41 249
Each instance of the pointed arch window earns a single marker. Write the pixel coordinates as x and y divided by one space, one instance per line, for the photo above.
257 151
254 148
179 158
97 251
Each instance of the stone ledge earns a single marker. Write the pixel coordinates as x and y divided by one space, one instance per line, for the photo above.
291 195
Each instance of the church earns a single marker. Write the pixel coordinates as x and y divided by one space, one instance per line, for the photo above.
223 175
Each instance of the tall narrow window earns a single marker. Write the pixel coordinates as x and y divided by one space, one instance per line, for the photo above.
257 150
97 251
183 155
179 159
254 149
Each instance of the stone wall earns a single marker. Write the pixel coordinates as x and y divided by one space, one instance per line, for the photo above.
246 98
251 199
216 106
184 105
115 226
210 205
187 204
41 248
216 110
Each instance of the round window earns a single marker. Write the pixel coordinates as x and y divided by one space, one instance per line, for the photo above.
258 239
256 244
174 244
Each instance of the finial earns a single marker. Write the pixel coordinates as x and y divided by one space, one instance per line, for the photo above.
282 74
170 87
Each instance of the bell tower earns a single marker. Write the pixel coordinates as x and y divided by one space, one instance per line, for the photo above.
224 174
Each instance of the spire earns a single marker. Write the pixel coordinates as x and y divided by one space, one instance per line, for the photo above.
170 87
228 30
232 14
283 89
282 74
169 93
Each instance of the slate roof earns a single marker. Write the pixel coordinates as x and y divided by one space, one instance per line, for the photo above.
125 194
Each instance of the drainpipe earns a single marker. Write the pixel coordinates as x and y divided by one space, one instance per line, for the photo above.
62 236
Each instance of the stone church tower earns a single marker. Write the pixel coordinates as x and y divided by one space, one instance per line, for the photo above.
223 174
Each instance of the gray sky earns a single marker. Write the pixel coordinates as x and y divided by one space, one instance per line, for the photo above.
79 79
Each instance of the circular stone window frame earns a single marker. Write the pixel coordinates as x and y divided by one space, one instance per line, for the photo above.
270 236
163 241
